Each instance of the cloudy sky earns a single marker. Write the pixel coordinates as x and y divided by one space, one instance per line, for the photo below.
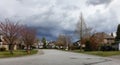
54 17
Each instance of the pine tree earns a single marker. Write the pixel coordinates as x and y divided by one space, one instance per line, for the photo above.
118 33
44 42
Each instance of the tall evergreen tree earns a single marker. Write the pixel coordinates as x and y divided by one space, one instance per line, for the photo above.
118 33
44 42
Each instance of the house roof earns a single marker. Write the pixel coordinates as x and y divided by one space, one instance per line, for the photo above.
102 34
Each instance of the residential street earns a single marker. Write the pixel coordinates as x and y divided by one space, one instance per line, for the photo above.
56 57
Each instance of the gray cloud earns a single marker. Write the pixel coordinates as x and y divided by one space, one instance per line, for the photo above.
103 22
54 17
98 2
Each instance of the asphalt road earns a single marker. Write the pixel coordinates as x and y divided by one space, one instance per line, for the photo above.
56 57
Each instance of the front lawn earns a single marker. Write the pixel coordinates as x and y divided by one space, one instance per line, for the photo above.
100 53
17 53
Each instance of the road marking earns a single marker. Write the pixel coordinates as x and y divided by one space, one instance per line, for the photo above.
105 60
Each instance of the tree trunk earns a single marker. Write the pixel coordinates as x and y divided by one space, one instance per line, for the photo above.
28 51
11 46
81 44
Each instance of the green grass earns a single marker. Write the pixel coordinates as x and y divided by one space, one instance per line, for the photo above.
100 53
17 53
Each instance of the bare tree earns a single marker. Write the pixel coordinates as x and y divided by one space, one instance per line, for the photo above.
60 41
63 41
96 39
29 37
68 41
82 30
10 31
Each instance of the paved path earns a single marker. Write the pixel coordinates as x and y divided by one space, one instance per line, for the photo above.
56 57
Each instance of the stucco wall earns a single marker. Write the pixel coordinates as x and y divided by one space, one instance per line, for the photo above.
6 46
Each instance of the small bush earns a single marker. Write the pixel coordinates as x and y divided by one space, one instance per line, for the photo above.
2 49
72 47
88 46
106 47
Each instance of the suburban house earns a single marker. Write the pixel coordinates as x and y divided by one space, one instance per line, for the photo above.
39 45
97 38
104 38
4 44
51 44
78 44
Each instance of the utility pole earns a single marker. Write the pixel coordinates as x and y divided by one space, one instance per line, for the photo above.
82 29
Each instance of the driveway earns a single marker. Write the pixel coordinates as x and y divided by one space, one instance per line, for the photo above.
56 57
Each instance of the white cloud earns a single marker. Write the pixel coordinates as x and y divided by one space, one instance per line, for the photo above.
63 14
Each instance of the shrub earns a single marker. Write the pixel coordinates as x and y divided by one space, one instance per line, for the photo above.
2 49
72 47
88 46
106 47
